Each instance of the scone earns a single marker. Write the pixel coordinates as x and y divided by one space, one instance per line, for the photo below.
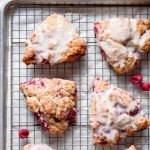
37 147
55 41
132 147
122 40
114 114
52 101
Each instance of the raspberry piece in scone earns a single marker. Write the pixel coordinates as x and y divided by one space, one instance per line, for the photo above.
37 147
122 40
115 114
54 41
52 101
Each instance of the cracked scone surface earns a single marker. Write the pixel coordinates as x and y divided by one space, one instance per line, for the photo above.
37 147
55 41
52 101
122 40
114 114
132 147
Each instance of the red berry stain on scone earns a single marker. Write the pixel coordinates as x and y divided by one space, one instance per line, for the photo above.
46 62
23 133
145 86
103 54
71 118
136 109
45 124
137 78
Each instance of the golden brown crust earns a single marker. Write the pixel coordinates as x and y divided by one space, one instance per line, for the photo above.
146 46
28 57
143 25
52 101
130 64
76 50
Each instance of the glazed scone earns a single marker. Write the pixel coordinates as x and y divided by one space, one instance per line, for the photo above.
114 114
52 101
55 41
132 147
122 40
37 147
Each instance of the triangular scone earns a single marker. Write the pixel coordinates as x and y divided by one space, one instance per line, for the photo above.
52 101
37 147
114 114
122 40
55 41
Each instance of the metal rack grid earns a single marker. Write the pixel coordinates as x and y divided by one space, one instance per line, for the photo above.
24 19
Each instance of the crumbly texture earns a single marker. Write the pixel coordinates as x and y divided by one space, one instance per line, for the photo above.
55 41
122 41
52 101
37 147
114 114
132 147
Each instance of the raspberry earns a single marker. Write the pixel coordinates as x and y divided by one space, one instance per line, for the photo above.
23 133
145 86
137 78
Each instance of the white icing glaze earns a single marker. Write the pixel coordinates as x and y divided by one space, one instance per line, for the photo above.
144 37
135 35
117 53
120 40
40 147
119 29
53 40
112 116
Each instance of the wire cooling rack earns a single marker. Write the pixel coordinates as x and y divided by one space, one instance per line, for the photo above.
24 19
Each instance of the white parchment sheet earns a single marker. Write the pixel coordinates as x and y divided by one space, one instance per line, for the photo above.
23 21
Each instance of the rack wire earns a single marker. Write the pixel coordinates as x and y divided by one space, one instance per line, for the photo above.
24 19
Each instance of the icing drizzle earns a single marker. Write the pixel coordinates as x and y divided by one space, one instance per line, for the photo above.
51 38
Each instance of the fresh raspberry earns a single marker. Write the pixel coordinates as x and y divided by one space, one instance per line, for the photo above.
23 133
137 78
145 86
